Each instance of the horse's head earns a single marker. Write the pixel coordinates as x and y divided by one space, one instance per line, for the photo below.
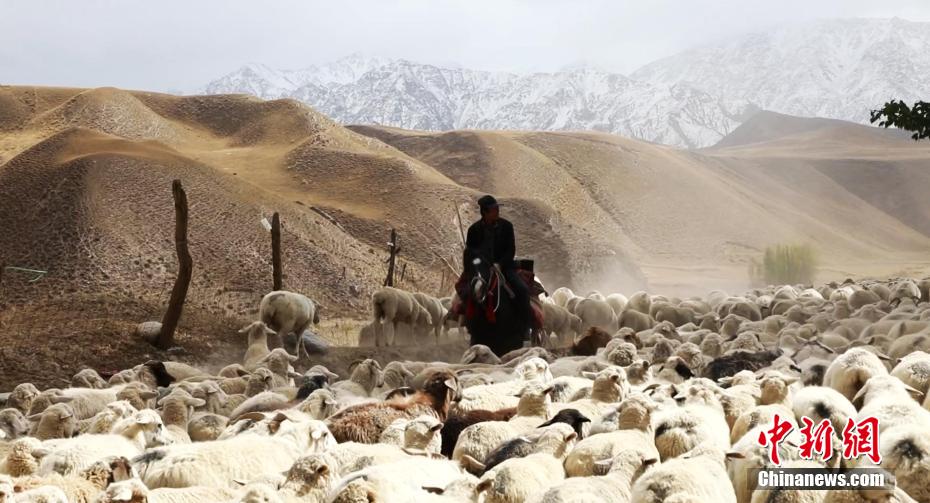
481 280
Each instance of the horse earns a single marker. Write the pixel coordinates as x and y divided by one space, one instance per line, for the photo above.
490 315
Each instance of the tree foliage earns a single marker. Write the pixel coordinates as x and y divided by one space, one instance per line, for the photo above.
897 114
785 264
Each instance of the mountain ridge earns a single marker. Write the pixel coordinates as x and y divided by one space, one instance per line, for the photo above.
693 99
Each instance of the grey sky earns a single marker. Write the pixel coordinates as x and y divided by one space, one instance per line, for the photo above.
182 44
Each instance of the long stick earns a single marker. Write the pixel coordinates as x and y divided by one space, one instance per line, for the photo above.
169 322
277 283
461 229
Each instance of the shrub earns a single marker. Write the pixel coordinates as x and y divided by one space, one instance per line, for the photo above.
784 264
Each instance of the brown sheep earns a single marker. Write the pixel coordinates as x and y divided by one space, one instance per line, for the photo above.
365 422
588 344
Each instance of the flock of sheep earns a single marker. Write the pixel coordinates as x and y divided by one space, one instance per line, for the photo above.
653 399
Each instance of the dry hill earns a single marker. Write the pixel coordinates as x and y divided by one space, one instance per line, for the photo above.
85 194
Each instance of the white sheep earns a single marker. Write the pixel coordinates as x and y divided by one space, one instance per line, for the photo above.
419 434
288 312
699 474
581 461
436 311
257 349
176 413
609 386
57 421
502 395
851 370
22 457
366 376
478 440
42 494
521 479
614 486
596 313
210 463
890 401
134 490
391 306
129 438
557 320
106 419
819 403
398 481
914 370
681 429
905 452
561 295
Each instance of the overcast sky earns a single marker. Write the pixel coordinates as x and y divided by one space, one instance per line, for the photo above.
183 44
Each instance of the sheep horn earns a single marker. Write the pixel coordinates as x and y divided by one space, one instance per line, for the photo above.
825 347
472 465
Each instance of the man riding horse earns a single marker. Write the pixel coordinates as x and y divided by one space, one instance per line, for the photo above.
488 262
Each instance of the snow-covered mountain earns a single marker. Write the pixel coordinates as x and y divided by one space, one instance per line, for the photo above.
837 68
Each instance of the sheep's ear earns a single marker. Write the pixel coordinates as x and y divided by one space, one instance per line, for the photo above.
196 402
734 455
61 399
240 482
251 416
859 399
147 395
34 417
144 419
292 358
589 375
269 331
294 375
451 384
649 462
571 436
435 427
725 380
471 464
40 452
882 356
602 467
245 329
916 393
433 490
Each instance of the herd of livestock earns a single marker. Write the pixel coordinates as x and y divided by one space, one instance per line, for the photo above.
645 398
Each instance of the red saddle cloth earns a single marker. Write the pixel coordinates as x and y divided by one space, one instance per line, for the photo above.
469 308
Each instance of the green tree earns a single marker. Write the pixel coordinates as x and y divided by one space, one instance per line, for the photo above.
897 114
785 264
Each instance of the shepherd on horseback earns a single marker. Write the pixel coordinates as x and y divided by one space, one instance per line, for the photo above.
496 298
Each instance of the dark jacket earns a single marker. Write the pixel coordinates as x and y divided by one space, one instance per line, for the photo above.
495 243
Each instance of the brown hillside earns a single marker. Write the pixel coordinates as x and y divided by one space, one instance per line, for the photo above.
85 194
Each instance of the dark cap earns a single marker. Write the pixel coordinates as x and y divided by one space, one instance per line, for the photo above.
487 202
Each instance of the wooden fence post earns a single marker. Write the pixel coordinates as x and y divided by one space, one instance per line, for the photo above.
185 269
277 283
389 281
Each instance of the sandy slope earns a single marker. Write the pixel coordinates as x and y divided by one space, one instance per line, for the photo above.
85 192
